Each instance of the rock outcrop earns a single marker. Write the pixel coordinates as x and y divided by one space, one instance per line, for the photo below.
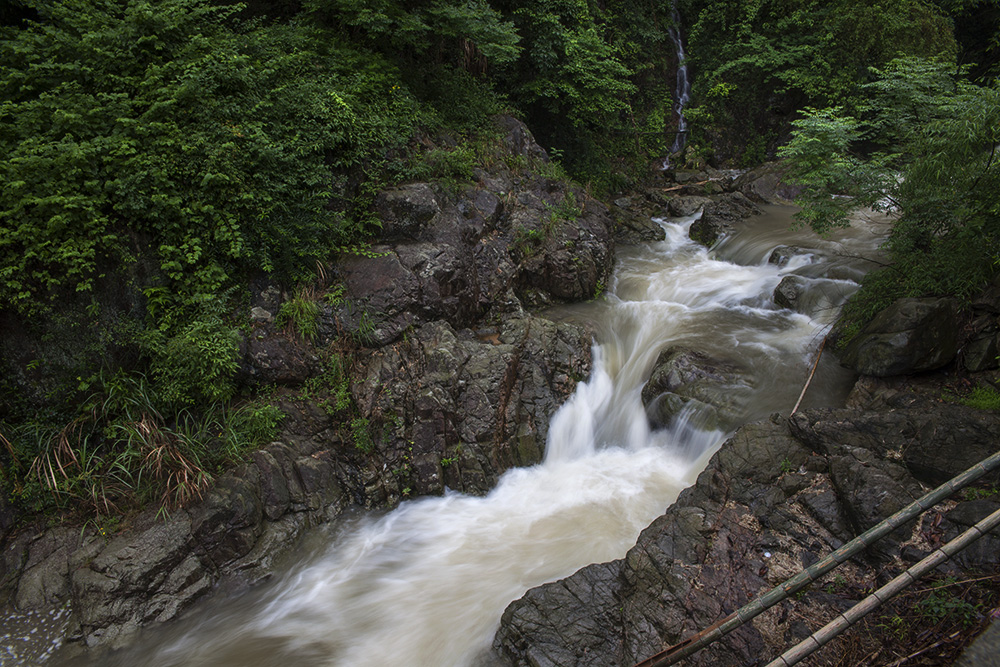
719 216
909 336
776 497
687 379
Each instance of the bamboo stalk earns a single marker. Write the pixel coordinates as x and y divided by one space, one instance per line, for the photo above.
845 620
810 574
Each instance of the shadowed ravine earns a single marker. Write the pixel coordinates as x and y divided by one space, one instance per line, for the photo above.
427 583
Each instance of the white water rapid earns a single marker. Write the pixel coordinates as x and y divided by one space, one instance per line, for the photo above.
426 584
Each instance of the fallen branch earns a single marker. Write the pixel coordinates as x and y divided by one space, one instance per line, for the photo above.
819 354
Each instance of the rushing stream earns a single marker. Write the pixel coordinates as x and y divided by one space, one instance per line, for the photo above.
427 583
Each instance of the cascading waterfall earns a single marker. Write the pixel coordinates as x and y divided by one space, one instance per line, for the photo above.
683 89
427 583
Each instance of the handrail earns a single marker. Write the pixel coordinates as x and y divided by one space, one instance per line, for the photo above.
810 574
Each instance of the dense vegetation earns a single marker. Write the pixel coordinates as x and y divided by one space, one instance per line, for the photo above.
937 137
157 156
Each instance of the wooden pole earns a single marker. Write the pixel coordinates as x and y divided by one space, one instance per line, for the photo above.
819 354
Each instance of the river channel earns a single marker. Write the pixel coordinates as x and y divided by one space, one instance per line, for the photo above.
426 584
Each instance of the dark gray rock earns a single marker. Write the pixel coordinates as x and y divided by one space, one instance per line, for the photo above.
989 299
139 578
766 185
634 222
984 553
454 408
909 336
777 496
227 524
8 517
980 354
984 650
681 376
544 243
269 358
406 211
789 290
573 260
518 139
935 441
684 176
684 206
781 255
719 216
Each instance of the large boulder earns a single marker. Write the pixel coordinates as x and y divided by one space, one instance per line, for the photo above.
479 253
909 336
407 210
686 379
766 185
457 408
634 220
719 216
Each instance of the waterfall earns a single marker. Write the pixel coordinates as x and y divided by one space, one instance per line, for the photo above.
426 584
682 92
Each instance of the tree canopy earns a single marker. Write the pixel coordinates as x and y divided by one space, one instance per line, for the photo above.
938 137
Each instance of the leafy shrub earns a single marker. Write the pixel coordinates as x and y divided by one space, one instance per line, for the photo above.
198 364
155 126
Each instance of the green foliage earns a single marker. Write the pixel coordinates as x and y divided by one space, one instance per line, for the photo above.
120 451
461 31
330 389
301 312
758 62
361 434
981 493
198 363
938 175
820 159
132 127
982 398
941 604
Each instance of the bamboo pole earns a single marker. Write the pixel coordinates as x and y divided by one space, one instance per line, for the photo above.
845 620
810 574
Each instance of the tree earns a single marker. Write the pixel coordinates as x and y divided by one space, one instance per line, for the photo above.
941 178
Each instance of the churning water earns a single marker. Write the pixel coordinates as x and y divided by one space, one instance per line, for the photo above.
427 583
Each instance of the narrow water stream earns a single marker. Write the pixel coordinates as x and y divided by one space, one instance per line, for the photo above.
426 584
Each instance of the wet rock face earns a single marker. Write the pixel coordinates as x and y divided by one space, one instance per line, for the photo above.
719 216
687 379
115 585
765 185
506 243
776 497
457 408
909 336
